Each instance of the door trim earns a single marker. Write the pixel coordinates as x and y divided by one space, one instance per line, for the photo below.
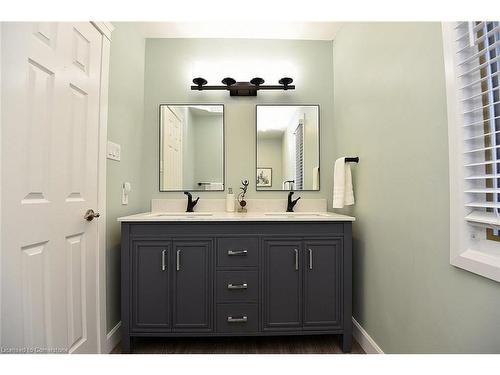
107 338
105 28
1 127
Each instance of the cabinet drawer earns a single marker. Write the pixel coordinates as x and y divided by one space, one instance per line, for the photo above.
237 252
235 286
237 318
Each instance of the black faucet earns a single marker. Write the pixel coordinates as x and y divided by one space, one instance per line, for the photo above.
291 203
191 203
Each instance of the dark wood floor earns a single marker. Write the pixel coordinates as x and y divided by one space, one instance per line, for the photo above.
240 345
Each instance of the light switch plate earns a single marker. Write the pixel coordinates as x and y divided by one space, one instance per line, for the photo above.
114 151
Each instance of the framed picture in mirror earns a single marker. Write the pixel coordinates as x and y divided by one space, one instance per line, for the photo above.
264 177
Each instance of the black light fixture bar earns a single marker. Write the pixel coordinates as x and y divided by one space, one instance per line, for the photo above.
229 88
242 88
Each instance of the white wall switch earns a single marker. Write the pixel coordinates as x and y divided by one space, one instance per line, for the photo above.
113 151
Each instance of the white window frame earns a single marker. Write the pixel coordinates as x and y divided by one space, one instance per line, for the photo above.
299 182
468 250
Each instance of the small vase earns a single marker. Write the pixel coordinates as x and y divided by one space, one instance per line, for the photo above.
242 207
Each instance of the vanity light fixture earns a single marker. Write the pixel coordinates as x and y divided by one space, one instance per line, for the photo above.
243 88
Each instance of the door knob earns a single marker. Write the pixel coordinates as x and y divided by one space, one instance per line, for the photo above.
90 215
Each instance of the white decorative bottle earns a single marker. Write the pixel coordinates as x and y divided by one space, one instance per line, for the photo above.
230 200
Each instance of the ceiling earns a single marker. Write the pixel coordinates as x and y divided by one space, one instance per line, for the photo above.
273 120
240 29
206 110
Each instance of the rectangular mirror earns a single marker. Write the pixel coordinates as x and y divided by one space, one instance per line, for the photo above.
191 147
287 147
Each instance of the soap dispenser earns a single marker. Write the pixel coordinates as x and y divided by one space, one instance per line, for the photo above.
230 200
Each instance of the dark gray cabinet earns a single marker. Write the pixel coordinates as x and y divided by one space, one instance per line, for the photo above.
236 279
150 286
322 269
283 285
303 282
192 286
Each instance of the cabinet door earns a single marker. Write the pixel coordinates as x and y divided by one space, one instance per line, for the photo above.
193 286
282 285
150 286
322 283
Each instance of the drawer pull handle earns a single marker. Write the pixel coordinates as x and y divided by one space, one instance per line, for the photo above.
237 286
163 262
310 259
237 252
178 260
237 319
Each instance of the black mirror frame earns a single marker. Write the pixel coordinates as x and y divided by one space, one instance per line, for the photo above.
223 146
319 143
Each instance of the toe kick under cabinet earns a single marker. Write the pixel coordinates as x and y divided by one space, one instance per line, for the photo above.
236 279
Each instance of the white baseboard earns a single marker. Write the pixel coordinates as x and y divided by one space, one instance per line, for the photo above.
112 338
363 338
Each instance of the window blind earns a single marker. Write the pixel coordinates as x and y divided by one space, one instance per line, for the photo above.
478 69
299 157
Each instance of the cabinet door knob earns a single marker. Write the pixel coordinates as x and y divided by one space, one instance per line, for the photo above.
310 259
163 260
296 259
237 319
178 260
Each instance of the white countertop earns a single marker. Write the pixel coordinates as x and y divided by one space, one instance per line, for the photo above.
235 216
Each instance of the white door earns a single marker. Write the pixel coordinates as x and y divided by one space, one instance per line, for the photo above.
172 165
50 119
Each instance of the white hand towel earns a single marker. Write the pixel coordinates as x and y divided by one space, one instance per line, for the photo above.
315 176
343 194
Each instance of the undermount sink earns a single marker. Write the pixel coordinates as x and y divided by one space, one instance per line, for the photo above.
181 214
296 214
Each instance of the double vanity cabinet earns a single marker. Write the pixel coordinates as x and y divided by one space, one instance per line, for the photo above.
229 276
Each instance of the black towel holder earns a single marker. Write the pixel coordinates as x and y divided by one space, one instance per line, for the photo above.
352 160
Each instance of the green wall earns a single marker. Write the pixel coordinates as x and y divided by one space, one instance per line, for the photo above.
271 156
390 109
207 148
125 126
170 68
